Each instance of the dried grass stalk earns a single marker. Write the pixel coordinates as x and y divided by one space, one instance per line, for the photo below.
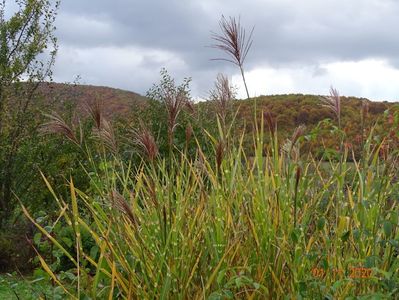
144 139
270 121
189 133
57 125
234 41
333 102
106 134
102 129
223 94
119 203
95 110
290 146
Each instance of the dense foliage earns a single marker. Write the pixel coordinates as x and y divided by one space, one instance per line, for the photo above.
230 221
27 51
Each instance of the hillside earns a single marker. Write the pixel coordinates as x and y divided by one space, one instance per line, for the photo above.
289 111
115 102
292 110
295 109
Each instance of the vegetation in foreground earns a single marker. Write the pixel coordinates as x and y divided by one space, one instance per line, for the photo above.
220 224
13 286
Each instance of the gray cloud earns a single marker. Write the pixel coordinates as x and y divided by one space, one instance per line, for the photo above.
175 34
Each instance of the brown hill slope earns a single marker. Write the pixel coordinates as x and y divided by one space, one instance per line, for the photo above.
115 102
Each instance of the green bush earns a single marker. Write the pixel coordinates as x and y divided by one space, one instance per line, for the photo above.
16 251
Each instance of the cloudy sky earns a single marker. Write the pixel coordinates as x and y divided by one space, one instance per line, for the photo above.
299 46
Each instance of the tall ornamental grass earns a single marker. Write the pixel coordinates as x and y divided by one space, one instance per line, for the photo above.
278 225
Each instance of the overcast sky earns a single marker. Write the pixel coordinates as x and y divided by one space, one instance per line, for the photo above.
299 46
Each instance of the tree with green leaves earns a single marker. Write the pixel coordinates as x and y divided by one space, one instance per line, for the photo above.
27 53
173 99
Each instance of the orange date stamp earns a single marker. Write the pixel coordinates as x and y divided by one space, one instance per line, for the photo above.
353 272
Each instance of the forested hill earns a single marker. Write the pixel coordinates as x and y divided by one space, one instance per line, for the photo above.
295 109
358 117
289 111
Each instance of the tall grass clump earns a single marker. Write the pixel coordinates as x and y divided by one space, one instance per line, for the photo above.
222 225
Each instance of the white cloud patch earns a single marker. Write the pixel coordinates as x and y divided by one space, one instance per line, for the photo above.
371 78
131 68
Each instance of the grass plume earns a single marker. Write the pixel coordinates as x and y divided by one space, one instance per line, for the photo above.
234 41
57 125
